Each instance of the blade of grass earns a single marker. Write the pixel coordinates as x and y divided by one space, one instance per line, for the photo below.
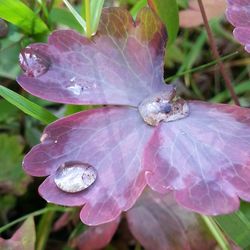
88 18
237 225
216 232
192 55
199 68
134 10
95 11
44 228
27 106
91 13
36 213
76 15
44 8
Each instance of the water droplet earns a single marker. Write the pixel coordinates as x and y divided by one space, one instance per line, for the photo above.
75 89
163 106
33 63
43 137
72 79
74 176
79 86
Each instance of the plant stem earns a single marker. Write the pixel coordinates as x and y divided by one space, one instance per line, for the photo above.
87 17
36 213
216 54
216 232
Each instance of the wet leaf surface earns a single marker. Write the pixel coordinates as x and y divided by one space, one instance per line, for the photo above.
204 158
104 69
105 138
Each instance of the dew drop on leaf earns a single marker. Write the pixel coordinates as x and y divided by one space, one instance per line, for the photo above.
79 86
32 63
43 137
75 89
163 106
74 176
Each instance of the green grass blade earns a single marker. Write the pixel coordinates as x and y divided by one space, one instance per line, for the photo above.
36 213
27 106
216 232
134 10
76 15
237 225
199 68
17 13
95 14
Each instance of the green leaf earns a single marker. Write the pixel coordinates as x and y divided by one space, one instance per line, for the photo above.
167 10
7 111
27 106
64 17
76 15
9 51
140 4
216 232
91 13
16 12
95 14
237 225
9 67
12 178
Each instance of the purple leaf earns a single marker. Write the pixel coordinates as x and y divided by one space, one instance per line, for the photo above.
97 237
238 13
122 64
104 138
204 158
156 220
23 239
104 158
